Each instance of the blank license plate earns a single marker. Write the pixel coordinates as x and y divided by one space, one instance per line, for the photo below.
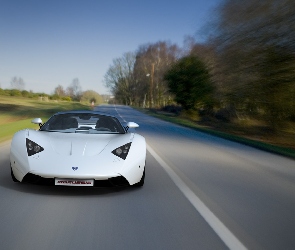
73 182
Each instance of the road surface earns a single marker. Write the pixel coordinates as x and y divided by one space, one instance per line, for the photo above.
200 192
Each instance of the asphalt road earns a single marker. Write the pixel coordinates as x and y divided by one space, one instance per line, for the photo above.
200 192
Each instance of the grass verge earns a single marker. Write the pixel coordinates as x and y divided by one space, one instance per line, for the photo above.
16 113
284 151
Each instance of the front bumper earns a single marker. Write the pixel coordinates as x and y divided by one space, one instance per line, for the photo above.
118 181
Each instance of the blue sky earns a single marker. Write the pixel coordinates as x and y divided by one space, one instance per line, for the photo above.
48 43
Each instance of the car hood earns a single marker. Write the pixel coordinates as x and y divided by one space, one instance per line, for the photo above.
79 144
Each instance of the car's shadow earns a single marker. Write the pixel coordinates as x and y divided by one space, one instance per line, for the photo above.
7 183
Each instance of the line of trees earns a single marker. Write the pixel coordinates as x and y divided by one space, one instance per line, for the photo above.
254 47
18 89
72 93
136 78
249 57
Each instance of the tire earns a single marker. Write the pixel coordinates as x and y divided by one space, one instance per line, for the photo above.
12 176
141 182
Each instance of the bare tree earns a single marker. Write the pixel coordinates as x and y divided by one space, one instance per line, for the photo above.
137 78
75 90
17 83
152 62
59 91
119 78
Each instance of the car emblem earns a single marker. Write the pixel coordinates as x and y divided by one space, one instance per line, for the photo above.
75 168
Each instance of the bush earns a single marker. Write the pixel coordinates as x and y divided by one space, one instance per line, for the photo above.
226 114
172 109
15 92
2 92
66 98
25 93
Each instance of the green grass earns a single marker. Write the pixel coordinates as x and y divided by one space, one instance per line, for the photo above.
16 113
253 143
7 130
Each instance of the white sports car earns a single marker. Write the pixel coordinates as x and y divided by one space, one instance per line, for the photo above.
79 148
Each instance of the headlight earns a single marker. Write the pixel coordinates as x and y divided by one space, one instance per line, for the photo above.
122 151
32 147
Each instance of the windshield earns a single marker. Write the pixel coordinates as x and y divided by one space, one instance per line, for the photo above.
83 123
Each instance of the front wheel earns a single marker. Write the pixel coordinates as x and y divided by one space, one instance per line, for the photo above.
141 182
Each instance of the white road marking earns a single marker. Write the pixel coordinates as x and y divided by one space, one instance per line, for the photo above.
119 114
230 240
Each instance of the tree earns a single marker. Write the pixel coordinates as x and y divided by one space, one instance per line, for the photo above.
254 42
59 91
136 78
17 83
275 88
189 80
120 79
89 95
75 90
152 62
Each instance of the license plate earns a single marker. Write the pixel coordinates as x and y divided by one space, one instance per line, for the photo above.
73 182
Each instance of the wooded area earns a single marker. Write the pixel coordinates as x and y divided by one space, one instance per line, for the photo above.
249 56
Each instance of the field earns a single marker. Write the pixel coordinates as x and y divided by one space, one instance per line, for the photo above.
16 113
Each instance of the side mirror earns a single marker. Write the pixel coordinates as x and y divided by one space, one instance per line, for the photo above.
131 125
37 121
